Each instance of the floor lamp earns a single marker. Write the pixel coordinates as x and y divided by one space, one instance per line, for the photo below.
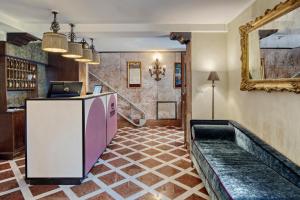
213 76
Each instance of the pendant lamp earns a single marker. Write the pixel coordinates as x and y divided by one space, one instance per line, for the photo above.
96 56
54 41
87 54
74 48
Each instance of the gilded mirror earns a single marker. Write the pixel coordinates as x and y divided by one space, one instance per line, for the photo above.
271 50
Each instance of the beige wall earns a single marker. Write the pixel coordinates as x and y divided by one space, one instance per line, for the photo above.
274 117
209 54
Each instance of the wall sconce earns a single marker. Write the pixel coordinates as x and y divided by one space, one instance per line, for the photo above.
157 69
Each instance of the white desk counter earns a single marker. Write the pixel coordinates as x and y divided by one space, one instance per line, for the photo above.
66 136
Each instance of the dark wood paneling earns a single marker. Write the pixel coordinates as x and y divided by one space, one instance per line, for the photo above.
12 129
3 92
62 69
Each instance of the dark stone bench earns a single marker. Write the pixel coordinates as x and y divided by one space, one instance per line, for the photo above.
235 164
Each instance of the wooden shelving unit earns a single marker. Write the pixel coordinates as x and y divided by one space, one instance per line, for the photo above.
21 74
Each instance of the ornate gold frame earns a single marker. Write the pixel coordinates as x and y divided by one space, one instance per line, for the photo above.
128 74
291 85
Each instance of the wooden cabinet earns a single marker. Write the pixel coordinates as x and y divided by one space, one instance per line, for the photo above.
12 129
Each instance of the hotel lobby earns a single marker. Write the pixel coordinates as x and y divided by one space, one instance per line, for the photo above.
149 100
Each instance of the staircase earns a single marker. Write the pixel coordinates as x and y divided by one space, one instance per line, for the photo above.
126 108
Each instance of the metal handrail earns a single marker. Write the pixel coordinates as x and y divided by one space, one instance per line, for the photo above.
143 116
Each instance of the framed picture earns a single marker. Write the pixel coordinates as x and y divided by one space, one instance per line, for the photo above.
177 75
134 74
166 110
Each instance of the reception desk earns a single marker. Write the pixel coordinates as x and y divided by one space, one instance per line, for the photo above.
66 136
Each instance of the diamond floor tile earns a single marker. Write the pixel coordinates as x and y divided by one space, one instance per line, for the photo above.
140 164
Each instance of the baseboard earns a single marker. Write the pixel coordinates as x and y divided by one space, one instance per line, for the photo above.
168 122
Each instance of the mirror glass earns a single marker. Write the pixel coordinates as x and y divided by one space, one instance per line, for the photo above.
274 49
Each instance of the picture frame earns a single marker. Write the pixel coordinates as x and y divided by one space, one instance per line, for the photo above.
166 110
177 75
134 76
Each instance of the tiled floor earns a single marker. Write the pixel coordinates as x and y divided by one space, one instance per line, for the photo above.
141 163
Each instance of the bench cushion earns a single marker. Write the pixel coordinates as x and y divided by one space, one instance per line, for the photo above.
237 174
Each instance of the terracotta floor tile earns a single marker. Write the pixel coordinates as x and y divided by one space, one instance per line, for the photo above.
152 143
20 162
163 140
189 180
124 151
114 146
203 190
164 147
111 178
118 162
141 139
194 197
108 156
40 189
168 171
153 137
170 190
149 179
148 196
85 188
139 147
166 157
120 139
176 144
8 185
128 143
98 169
6 175
17 195
151 152
102 196
127 189
182 164
151 163
22 170
4 166
130 136
56 196
178 152
133 170
136 156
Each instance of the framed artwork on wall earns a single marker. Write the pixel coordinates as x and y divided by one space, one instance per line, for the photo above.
166 110
134 78
177 75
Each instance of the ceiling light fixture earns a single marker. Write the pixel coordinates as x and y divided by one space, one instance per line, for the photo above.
54 41
96 56
87 53
74 48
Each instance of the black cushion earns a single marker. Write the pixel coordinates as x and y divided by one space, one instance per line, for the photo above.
213 132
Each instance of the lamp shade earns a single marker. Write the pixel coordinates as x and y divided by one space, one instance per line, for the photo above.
87 56
74 50
96 59
55 42
213 76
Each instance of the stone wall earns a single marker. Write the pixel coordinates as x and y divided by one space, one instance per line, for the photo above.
32 51
113 70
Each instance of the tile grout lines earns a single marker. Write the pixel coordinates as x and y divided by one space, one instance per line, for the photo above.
139 162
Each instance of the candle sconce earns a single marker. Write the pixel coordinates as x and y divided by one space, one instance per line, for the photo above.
157 69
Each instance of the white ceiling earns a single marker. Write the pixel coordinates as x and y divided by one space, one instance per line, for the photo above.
128 21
